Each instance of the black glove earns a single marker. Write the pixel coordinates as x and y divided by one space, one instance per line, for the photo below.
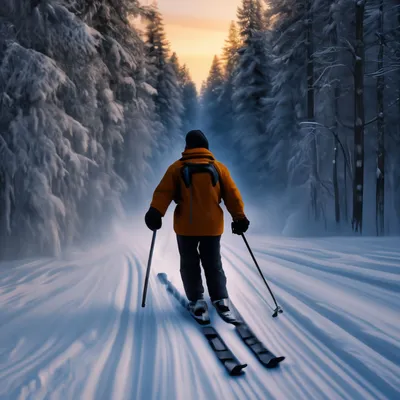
153 219
240 226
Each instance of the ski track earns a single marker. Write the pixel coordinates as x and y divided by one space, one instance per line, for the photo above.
74 328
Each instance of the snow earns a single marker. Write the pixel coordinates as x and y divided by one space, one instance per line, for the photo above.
73 328
149 89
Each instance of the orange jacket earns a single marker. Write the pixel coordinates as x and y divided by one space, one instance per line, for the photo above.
204 216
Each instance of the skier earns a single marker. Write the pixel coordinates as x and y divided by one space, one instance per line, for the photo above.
197 183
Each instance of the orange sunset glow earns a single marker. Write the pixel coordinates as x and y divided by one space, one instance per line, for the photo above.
196 30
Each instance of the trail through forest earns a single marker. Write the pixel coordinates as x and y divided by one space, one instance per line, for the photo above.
74 328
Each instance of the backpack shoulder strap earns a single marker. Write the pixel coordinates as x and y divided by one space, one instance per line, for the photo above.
189 169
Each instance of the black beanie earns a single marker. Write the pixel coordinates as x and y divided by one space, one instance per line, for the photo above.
195 139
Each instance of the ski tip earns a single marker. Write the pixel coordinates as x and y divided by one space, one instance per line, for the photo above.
275 362
163 277
238 370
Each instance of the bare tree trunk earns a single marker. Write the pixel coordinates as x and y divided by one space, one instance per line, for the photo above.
380 159
335 158
346 203
397 180
310 110
358 180
336 94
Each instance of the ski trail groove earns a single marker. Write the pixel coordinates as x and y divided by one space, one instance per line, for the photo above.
75 329
357 362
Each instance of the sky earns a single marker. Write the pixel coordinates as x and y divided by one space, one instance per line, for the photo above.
196 30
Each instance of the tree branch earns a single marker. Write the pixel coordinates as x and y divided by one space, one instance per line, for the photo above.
336 137
329 67
340 122
377 117
350 47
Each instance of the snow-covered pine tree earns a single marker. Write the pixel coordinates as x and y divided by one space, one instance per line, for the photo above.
188 94
65 105
44 148
250 18
163 78
174 62
327 89
171 107
330 90
211 102
230 57
251 85
189 100
293 97
288 88
123 52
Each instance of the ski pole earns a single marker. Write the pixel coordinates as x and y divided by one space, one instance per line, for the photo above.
146 281
278 309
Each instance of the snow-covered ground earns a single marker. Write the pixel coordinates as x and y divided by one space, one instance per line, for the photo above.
74 328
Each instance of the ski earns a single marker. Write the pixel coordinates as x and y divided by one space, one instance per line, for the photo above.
264 356
217 344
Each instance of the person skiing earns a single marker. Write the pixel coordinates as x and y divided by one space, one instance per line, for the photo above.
197 183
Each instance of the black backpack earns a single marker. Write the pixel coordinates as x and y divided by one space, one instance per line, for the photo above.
189 169
186 173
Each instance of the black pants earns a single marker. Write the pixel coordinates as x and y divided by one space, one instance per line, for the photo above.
206 249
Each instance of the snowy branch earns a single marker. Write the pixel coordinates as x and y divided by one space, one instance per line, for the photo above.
377 117
336 137
328 68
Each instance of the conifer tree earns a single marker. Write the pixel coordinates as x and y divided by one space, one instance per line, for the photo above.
211 99
250 18
163 78
189 100
251 84
72 93
230 56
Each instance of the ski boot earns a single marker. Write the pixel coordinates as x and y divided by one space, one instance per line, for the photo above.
199 311
222 307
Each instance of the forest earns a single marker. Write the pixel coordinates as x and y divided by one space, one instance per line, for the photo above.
303 101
